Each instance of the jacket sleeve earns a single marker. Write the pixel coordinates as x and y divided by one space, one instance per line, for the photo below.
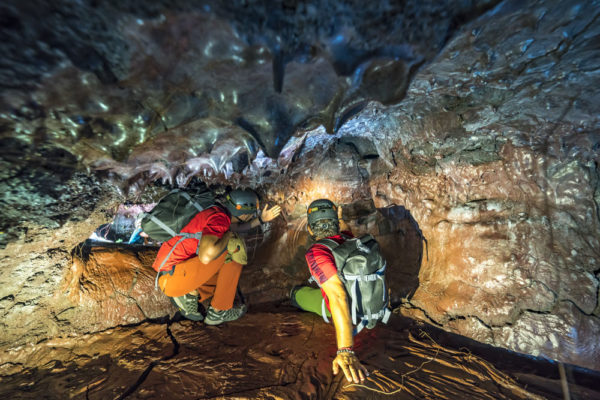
217 224
321 263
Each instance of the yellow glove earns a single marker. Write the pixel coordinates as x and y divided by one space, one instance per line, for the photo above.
236 250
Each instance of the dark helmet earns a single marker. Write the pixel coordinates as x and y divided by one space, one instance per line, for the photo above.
240 202
321 209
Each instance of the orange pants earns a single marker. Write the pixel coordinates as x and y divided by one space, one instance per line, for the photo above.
217 279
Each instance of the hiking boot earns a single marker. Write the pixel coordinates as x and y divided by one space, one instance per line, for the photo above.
214 317
188 306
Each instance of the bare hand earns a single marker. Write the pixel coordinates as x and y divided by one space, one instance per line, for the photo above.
353 369
343 225
269 214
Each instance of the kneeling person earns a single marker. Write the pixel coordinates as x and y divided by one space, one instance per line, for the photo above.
216 270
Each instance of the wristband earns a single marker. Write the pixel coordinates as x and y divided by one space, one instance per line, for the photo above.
345 350
260 220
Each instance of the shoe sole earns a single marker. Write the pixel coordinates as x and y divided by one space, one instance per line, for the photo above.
214 322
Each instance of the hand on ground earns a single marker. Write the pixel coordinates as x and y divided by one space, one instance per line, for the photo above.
353 369
269 214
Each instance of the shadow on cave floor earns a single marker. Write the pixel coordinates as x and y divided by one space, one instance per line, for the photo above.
278 352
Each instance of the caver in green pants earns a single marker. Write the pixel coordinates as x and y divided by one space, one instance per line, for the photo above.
308 299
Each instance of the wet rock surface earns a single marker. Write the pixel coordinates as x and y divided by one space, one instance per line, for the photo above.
102 287
476 166
178 360
504 192
181 89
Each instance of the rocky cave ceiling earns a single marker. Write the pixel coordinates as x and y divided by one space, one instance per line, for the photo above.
464 134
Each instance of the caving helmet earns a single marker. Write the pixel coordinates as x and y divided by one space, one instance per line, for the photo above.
240 202
321 209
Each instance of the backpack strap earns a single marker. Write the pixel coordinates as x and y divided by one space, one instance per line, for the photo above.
386 315
183 235
340 257
359 327
324 311
190 200
165 260
366 238
383 315
163 225
329 243
354 295
340 253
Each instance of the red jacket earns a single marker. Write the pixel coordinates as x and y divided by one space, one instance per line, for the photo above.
321 262
212 221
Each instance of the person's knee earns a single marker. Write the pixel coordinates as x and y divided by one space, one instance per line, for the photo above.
205 258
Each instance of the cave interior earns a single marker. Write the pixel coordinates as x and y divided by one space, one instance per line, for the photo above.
463 135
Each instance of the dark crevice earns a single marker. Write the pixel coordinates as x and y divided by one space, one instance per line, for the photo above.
475 317
147 371
410 305
464 18
530 310
547 287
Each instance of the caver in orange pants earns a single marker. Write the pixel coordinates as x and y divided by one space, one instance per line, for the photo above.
217 279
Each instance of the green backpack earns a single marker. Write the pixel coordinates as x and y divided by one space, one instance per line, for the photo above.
171 214
361 269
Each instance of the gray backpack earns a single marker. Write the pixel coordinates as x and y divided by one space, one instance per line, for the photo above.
361 269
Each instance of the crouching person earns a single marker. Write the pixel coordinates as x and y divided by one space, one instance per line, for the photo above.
205 259
350 273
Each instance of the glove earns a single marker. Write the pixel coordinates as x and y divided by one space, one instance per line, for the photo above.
236 250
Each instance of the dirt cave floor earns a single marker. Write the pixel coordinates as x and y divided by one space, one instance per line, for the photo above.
276 352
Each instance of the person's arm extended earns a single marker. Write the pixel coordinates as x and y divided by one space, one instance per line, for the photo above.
343 223
210 246
267 214
340 313
244 226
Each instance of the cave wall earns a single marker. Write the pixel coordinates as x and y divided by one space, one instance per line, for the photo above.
494 154
53 286
481 184
497 160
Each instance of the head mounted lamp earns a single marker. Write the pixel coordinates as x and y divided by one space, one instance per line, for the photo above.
248 207
319 208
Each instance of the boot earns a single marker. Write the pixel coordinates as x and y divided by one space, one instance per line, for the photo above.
188 306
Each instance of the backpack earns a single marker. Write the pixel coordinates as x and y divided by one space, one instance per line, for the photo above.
361 269
171 214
